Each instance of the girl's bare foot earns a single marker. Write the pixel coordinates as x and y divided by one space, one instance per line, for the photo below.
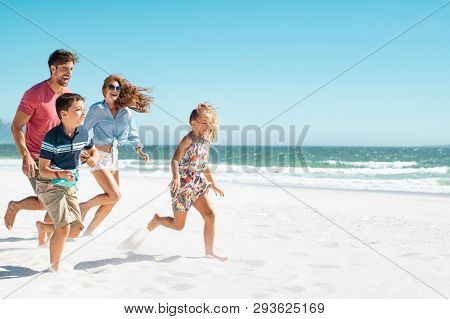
42 234
10 215
153 223
213 255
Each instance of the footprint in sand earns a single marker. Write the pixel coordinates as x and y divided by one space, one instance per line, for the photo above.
163 279
184 274
324 287
295 289
416 256
331 244
151 291
260 295
259 236
323 266
281 236
183 287
300 254
254 263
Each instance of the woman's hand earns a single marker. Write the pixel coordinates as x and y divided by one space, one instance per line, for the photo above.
86 158
175 185
90 162
142 155
216 190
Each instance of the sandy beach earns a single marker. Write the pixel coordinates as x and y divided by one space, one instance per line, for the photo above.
278 247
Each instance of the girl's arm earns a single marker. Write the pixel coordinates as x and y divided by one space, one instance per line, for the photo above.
209 178
176 158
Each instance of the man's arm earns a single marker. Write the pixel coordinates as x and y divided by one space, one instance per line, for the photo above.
28 164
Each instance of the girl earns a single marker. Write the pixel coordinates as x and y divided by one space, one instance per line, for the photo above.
113 124
192 178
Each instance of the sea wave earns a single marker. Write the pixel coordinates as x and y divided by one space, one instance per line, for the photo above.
388 176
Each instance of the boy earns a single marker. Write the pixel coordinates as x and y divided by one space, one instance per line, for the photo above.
59 159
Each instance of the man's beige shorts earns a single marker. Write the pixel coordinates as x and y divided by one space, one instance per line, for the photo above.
61 203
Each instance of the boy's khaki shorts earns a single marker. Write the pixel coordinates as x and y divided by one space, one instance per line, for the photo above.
61 203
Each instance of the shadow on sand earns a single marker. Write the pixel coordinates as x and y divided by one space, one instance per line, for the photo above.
12 272
15 239
131 258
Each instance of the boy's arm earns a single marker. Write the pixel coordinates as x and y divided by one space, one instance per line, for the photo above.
46 172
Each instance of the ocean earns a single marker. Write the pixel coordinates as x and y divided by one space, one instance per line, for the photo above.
404 169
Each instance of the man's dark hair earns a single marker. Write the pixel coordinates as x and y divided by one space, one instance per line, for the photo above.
64 101
60 57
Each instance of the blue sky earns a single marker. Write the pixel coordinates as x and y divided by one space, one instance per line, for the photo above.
252 60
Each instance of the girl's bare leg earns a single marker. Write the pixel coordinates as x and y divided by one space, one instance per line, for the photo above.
109 182
204 207
176 222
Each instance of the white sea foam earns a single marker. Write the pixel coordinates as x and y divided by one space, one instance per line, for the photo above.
372 164
385 176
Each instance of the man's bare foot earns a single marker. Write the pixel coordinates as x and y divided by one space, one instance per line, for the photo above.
11 213
213 255
153 223
84 210
42 234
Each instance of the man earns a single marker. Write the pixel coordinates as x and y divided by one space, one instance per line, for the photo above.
37 112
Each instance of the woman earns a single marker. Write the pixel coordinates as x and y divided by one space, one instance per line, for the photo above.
113 124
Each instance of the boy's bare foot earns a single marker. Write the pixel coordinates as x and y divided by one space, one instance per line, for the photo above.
153 223
213 255
83 210
42 235
10 215
50 270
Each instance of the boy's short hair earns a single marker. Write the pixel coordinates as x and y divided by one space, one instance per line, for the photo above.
64 101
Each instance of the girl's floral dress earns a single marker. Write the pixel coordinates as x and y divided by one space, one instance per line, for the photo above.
193 183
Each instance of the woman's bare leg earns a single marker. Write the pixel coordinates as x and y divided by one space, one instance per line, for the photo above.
110 183
107 181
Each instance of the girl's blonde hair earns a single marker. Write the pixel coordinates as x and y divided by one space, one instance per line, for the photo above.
130 96
204 108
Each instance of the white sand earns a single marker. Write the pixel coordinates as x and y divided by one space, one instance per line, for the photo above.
277 247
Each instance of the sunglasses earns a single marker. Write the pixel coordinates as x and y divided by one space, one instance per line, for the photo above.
113 87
